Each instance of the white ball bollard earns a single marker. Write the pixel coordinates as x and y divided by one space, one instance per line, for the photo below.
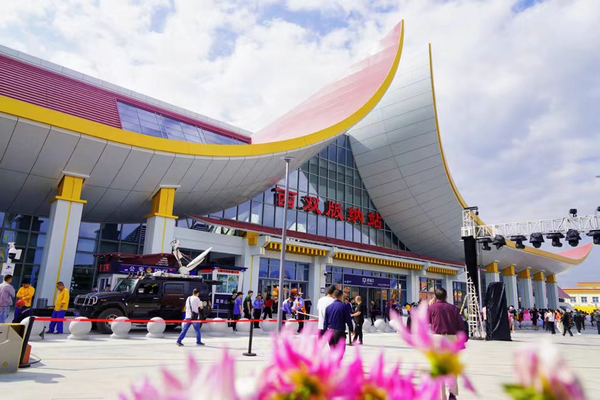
291 325
243 326
36 330
394 324
218 328
207 326
269 326
380 325
156 328
120 328
80 328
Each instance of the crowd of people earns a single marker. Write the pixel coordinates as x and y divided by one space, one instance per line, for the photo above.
552 320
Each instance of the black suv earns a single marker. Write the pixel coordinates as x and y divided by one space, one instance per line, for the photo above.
144 298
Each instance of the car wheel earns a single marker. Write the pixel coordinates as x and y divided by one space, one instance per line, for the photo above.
109 313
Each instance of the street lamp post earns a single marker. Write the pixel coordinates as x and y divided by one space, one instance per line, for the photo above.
280 298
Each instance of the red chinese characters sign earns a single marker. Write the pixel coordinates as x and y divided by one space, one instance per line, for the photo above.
332 209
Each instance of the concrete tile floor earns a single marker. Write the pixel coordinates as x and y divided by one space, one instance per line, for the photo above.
101 368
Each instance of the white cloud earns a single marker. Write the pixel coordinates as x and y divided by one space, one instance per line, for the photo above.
517 92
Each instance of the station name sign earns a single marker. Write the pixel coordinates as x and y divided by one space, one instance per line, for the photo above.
310 204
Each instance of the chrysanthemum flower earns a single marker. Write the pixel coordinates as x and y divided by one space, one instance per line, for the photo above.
391 385
304 368
442 352
543 374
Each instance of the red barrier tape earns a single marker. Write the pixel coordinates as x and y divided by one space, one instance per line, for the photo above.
174 321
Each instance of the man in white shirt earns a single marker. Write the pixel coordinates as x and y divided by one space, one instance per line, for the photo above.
322 305
550 318
193 305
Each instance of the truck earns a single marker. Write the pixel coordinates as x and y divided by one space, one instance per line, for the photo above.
143 297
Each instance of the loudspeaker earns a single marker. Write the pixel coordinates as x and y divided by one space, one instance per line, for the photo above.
470 245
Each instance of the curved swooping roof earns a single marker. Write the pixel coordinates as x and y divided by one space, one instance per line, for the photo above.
124 169
399 155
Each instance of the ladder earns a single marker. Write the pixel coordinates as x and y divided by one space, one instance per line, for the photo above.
474 320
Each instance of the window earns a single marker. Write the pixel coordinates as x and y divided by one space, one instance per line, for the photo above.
584 299
459 291
427 288
174 289
594 299
573 300
148 288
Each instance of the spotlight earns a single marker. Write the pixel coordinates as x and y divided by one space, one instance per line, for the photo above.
536 239
573 237
595 235
518 239
573 212
555 238
485 243
499 241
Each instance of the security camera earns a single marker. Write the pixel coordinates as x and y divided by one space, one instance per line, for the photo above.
13 252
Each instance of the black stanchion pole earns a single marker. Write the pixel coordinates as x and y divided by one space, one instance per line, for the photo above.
250 353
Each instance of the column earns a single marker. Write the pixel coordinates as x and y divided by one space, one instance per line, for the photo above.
61 241
160 223
539 283
552 291
526 288
491 273
251 260
510 282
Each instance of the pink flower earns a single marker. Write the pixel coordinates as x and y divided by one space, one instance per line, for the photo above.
391 385
442 352
220 381
543 374
304 367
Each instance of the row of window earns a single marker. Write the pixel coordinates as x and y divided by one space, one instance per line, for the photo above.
150 123
584 299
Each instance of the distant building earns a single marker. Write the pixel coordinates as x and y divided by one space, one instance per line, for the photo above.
586 296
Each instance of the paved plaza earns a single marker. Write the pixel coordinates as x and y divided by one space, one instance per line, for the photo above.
101 368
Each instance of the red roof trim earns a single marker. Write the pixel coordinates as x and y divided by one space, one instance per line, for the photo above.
38 85
246 226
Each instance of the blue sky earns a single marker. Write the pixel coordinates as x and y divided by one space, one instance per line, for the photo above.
517 82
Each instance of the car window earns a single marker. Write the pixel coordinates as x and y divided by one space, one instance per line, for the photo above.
148 288
174 289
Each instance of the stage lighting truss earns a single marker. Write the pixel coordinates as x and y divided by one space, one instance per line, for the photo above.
569 228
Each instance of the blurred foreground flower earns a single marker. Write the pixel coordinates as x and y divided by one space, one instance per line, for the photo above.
442 352
305 368
543 375
391 385
220 381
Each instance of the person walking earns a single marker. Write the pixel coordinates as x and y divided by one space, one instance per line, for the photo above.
349 310
237 310
258 306
359 319
578 318
230 306
336 319
299 310
268 307
193 307
566 320
60 309
373 312
322 305
550 321
248 305
445 320
25 293
596 319
7 294
534 318
287 308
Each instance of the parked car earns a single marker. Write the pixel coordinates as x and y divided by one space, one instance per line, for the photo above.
144 297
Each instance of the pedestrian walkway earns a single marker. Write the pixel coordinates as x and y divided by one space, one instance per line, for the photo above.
100 368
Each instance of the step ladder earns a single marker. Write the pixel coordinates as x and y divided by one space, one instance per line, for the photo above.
474 320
